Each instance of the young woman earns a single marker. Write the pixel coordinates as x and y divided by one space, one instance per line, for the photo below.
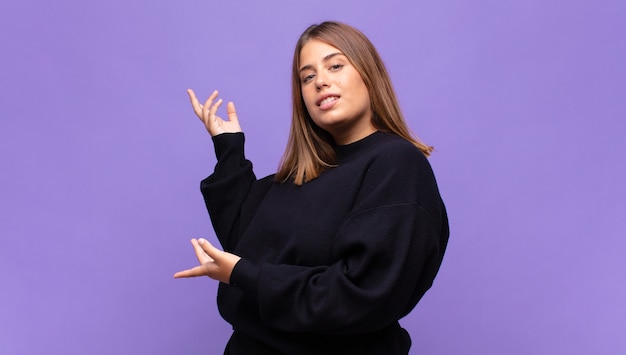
326 255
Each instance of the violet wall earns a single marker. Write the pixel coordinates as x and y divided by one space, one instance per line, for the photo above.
101 158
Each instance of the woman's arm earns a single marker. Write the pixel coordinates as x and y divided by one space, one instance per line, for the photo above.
224 191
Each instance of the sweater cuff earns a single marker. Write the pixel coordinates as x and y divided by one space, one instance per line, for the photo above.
226 143
245 276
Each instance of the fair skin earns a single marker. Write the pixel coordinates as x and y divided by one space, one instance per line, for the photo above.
334 93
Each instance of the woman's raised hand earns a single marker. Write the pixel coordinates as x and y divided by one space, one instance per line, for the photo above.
207 113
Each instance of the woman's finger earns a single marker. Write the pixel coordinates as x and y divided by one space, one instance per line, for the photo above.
209 101
232 112
193 272
206 107
213 111
197 108
201 255
208 249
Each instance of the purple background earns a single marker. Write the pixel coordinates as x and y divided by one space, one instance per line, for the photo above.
101 158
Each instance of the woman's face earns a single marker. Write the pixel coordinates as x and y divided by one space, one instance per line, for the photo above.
334 93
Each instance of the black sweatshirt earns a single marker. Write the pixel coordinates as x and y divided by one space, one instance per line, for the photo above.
328 267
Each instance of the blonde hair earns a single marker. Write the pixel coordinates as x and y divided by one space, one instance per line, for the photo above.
310 149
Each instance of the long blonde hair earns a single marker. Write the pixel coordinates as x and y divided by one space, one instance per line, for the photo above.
310 149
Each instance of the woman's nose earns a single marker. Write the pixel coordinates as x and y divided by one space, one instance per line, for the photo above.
321 80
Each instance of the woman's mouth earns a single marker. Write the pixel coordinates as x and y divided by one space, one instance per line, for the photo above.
328 102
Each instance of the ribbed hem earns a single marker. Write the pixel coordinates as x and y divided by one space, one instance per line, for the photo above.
225 142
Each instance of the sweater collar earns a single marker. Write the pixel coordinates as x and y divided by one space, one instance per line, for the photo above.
354 149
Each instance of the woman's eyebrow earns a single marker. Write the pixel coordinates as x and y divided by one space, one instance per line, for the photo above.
326 59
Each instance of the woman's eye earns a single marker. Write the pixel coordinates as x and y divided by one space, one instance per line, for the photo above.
307 78
336 67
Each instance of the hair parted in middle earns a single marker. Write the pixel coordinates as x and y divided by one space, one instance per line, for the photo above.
310 149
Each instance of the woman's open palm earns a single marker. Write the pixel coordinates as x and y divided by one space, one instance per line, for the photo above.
214 263
207 113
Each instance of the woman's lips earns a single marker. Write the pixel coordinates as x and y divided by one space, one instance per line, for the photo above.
328 102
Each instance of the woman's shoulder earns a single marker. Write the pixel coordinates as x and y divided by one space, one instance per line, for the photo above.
397 159
395 149
399 170
265 182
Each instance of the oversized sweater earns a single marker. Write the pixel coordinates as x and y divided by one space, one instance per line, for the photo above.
328 267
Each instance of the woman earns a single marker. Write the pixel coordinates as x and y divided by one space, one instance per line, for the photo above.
326 255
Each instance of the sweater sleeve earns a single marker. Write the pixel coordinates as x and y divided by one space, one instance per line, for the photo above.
387 251
226 189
